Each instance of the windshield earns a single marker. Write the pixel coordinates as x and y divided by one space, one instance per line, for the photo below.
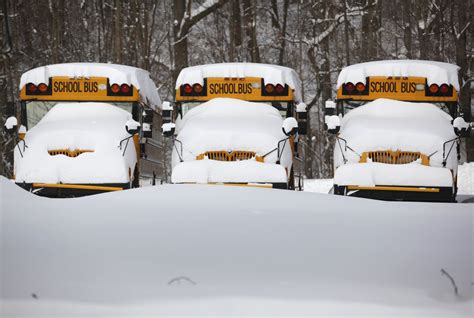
36 110
347 106
281 106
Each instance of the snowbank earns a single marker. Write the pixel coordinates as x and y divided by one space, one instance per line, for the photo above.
272 74
386 124
231 124
212 171
434 72
117 74
96 127
318 185
211 250
466 178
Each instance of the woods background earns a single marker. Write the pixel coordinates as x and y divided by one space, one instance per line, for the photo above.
316 38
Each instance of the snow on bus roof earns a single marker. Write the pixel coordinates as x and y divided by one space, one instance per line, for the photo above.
118 74
273 74
434 72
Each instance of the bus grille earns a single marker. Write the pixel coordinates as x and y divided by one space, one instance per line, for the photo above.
394 157
227 156
68 152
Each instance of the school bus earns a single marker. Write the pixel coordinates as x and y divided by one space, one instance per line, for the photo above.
86 128
397 126
270 86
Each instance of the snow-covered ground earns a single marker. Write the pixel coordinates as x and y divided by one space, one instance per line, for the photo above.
465 181
215 250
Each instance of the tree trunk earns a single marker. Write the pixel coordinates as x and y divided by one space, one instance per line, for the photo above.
250 24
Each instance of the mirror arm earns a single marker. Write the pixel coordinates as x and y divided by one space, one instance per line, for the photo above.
127 139
180 155
450 149
340 147
24 146
279 153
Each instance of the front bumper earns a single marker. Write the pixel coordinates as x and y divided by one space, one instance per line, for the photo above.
65 190
224 172
410 182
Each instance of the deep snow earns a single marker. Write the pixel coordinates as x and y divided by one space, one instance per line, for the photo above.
216 250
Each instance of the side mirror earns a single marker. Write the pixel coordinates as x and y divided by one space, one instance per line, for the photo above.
168 129
11 125
21 132
132 127
461 127
167 111
332 124
147 131
290 126
147 116
329 108
302 117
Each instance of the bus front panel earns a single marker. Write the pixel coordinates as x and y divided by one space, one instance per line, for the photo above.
79 89
413 89
247 88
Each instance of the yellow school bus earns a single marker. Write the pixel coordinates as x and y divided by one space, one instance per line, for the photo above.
88 128
272 85
397 126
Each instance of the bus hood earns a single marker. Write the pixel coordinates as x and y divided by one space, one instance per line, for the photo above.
231 124
76 143
386 124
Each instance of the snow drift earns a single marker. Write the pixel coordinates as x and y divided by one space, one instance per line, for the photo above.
230 124
196 250
386 124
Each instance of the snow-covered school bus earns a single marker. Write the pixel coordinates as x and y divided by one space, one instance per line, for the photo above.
237 124
86 128
397 126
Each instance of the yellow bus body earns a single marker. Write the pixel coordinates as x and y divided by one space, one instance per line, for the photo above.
79 89
248 88
398 88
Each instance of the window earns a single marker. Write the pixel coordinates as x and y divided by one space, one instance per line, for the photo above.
282 107
36 110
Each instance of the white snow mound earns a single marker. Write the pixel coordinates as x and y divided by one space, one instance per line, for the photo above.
192 250
386 124
96 127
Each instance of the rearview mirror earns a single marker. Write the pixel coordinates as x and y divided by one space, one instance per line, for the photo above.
168 129
302 117
290 126
147 116
332 124
21 132
329 108
461 127
11 125
166 111
132 127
